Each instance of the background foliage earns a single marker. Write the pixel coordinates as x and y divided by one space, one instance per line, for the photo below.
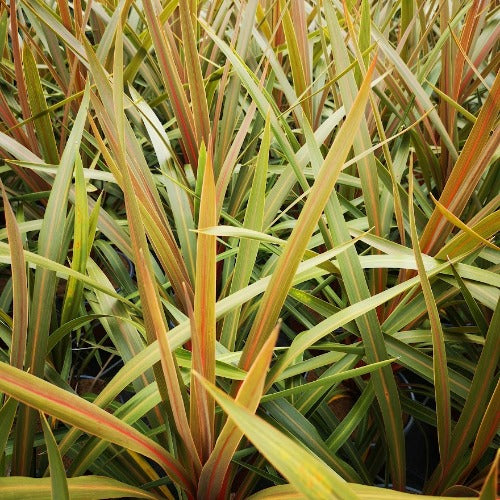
248 248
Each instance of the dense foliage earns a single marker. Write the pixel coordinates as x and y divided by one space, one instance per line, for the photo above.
248 248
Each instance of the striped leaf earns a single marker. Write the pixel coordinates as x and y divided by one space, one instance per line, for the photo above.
78 412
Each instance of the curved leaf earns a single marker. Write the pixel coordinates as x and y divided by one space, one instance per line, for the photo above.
80 488
306 472
78 412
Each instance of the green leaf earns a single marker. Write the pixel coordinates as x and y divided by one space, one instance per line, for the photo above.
81 250
307 473
19 286
296 424
467 171
193 69
348 425
471 303
289 260
440 364
328 380
43 124
490 486
243 233
481 394
247 251
58 479
249 395
464 242
86 416
7 414
50 241
202 406
364 492
485 433
464 227
13 488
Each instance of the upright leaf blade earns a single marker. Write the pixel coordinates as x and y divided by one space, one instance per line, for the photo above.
19 286
38 106
172 81
467 171
474 410
490 486
58 480
195 78
80 413
281 279
154 316
49 246
307 473
7 415
81 249
249 395
202 409
440 364
247 252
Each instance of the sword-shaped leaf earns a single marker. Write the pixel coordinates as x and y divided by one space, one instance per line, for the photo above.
58 479
15 487
306 472
86 416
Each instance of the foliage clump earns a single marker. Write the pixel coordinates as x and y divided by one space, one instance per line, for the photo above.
248 249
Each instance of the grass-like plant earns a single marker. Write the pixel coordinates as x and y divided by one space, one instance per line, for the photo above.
248 249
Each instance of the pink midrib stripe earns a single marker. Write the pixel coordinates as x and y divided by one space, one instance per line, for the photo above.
96 419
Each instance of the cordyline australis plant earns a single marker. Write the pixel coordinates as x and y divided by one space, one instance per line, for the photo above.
248 249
